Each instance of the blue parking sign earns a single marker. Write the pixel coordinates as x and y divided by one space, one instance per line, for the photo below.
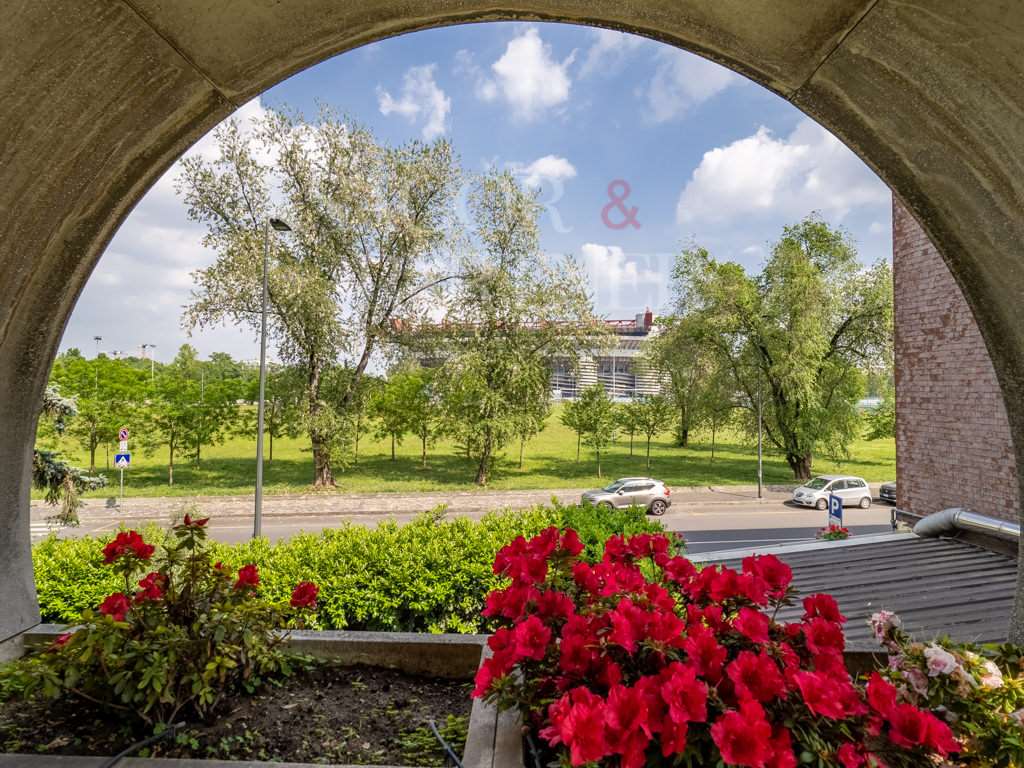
835 510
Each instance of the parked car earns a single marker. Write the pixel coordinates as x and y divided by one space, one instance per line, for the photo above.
646 492
853 491
887 492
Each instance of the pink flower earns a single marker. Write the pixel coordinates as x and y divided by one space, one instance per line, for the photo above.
940 661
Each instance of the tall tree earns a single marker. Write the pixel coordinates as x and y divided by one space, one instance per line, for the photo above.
284 395
597 415
804 327
678 354
368 225
572 418
391 405
654 415
511 315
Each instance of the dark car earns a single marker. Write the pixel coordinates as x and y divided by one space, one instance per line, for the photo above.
887 492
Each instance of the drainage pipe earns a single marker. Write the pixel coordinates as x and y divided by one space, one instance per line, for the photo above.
958 519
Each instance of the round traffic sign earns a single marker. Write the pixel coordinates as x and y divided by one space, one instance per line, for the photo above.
122 433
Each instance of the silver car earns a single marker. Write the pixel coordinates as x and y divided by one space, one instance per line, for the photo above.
645 492
853 491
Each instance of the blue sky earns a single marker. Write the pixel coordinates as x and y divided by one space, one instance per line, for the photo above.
709 157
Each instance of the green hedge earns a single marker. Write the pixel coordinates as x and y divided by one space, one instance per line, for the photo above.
430 575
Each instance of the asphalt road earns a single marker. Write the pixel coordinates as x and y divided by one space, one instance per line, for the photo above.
711 518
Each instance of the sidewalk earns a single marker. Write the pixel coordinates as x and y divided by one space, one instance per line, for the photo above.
355 504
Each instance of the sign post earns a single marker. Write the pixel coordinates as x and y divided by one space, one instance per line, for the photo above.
835 510
122 459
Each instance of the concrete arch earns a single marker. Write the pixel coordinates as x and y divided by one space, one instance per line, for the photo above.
98 97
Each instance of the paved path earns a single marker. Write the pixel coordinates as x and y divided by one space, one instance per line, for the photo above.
731 508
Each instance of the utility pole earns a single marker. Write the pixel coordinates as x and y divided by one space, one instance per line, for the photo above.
279 226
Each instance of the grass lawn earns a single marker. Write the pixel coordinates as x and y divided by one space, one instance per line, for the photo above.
549 462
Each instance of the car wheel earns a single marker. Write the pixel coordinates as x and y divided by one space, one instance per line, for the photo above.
658 507
865 502
822 504
605 505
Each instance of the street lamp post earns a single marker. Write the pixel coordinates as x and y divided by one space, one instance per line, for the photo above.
278 226
152 362
760 474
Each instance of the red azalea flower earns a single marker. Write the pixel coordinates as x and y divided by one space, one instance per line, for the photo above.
627 729
851 755
61 641
881 694
648 545
684 695
822 606
725 584
577 646
705 653
744 737
483 679
823 636
629 625
577 720
127 543
191 522
679 570
531 638
571 544
553 604
775 573
822 695
522 561
248 576
116 606
510 603
752 624
756 676
908 726
304 595
152 587
666 628
940 738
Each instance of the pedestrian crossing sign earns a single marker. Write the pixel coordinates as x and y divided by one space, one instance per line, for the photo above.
122 460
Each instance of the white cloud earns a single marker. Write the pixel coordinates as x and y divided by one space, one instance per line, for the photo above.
608 51
528 77
608 264
421 100
781 177
877 228
484 88
681 81
550 168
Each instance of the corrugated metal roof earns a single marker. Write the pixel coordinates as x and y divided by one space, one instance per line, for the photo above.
937 586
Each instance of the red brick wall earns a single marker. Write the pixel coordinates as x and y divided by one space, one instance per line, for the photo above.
953 446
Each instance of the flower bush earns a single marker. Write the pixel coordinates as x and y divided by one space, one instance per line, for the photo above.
642 659
834 533
978 691
179 635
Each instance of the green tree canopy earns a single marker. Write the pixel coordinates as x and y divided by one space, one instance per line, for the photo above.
598 418
804 328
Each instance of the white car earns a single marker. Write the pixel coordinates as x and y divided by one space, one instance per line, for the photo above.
853 491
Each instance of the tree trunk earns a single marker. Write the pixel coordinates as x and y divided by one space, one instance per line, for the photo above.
92 450
322 476
648 453
106 454
579 437
392 446
630 443
683 433
170 462
359 422
423 445
714 437
485 459
522 443
800 464
598 462
270 435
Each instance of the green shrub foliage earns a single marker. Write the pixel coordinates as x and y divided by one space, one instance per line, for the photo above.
430 575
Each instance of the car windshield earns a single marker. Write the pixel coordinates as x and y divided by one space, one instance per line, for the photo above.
613 487
816 484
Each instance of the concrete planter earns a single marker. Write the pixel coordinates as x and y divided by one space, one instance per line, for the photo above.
493 741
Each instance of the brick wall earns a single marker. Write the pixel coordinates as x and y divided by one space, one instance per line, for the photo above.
953 446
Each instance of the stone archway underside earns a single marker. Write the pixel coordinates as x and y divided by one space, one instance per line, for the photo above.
98 97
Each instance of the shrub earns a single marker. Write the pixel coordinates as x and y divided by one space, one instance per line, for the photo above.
833 533
430 575
175 641
980 690
644 660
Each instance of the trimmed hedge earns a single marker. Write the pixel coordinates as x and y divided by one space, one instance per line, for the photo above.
430 575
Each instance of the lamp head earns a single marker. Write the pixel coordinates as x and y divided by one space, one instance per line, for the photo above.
279 225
